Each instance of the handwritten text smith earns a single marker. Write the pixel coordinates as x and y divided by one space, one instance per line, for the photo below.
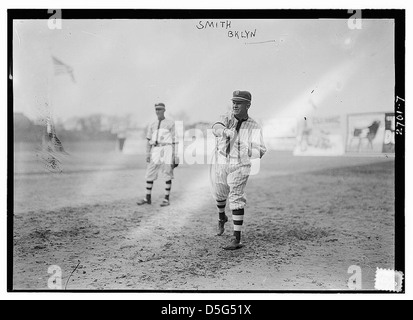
227 24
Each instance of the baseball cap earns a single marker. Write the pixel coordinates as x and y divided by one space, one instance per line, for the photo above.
241 96
159 106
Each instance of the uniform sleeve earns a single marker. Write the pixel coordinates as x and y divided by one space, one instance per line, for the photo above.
263 148
149 132
257 144
173 133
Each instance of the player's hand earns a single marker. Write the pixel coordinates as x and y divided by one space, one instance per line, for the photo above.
148 158
229 133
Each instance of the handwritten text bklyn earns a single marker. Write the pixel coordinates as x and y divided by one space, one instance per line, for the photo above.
227 26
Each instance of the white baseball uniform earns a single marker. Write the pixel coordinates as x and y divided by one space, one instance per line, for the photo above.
234 160
161 136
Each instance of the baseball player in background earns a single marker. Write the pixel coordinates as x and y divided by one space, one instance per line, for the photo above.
239 140
160 154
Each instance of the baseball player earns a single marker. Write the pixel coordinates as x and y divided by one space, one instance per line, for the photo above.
160 154
239 140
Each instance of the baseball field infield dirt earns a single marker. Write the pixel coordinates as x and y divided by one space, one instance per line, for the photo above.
308 219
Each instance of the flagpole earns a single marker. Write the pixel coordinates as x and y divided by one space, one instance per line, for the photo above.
50 86
49 102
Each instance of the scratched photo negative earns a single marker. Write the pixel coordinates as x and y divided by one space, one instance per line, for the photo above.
205 151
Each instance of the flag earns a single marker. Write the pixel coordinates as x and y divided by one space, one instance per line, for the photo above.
62 68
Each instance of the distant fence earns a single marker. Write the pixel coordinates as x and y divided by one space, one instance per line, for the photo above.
369 133
353 134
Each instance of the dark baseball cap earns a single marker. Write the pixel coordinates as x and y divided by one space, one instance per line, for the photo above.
159 106
241 96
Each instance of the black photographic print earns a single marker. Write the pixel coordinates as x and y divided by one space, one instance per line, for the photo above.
206 151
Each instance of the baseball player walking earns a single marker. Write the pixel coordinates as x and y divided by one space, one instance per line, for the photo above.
160 154
239 140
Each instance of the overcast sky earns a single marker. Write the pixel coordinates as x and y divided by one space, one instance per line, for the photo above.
291 67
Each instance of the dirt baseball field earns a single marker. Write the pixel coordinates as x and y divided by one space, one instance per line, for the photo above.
308 219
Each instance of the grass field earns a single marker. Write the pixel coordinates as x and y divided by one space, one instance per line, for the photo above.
308 219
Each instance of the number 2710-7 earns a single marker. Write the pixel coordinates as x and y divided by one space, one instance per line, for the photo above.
400 119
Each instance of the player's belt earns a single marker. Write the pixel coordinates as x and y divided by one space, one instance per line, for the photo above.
238 157
162 144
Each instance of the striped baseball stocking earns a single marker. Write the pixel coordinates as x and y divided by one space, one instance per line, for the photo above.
221 209
168 187
149 186
238 219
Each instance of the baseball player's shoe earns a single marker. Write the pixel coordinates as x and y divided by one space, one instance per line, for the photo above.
221 226
234 245
165 203
143 201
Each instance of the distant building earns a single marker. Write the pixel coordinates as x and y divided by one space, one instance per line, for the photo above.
20 121
72 124
24 129
132 141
